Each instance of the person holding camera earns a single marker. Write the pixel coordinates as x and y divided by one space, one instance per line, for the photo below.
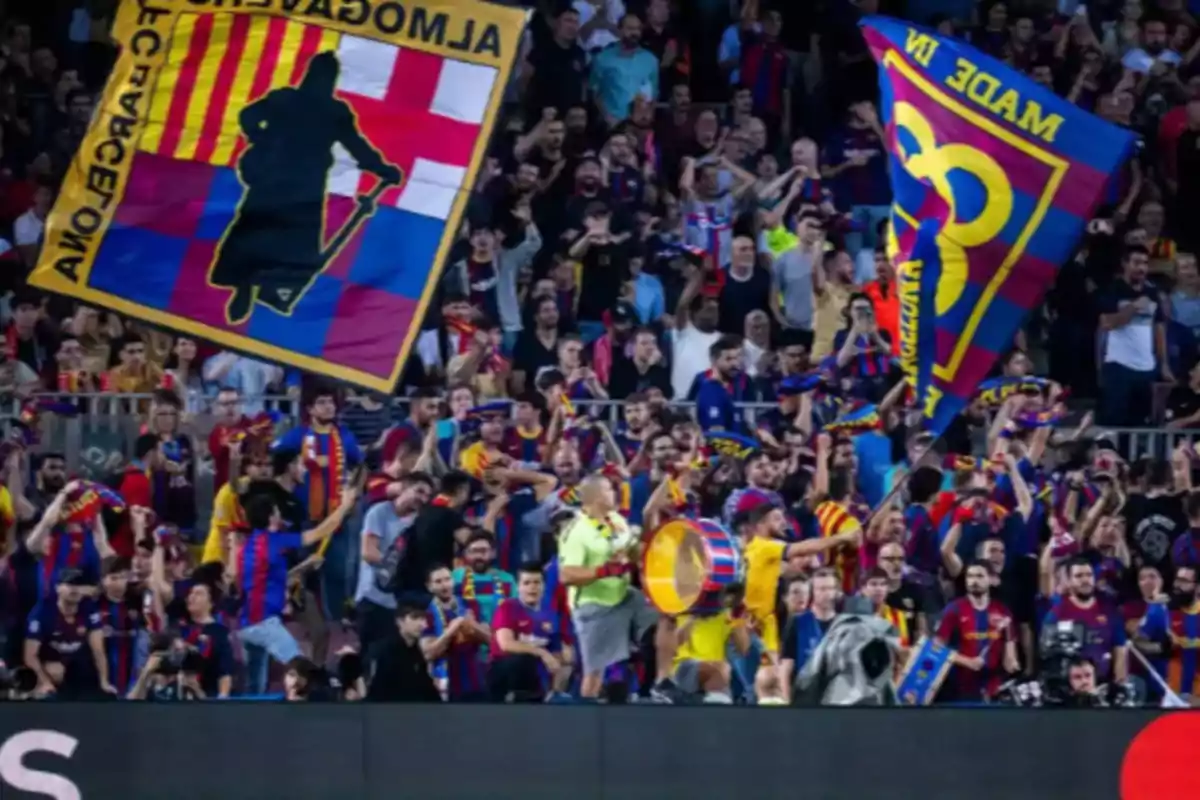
864 351
1101 634
171 673
209 638
833 287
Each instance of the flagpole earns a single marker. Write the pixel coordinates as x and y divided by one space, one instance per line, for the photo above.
1170 698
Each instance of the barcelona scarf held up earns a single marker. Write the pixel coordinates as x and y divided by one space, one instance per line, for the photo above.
994 179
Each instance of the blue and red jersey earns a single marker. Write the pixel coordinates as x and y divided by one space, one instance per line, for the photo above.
554 601
539 627
509 532
1102 626
626 185
321 490
628 444
1179 629
1186 550
977 633
765 68
211 642
921 540
122 624
62 638
717 402
263 574
523 445
67 549
868 185
869 362
461 669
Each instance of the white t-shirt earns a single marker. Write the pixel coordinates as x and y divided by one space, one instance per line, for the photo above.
27 229
751 355
689 357
1132 345
599 38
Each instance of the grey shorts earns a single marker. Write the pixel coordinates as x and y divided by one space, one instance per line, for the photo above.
604 632
687 676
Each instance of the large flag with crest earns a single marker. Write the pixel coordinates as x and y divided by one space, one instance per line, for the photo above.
283 178
994 179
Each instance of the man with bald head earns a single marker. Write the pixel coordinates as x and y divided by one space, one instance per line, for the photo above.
595 561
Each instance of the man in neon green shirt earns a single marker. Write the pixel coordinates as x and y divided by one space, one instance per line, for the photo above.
595 562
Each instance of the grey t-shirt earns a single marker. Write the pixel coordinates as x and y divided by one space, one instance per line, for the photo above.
793 273
381 521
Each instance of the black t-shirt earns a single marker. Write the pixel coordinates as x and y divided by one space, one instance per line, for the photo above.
1182 402
910 600
740 297
1187 167
430 542
559 77
399 673
627 379
604 270
530 355
1153 524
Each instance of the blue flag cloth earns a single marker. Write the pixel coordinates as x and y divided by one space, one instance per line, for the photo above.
928 665
994 179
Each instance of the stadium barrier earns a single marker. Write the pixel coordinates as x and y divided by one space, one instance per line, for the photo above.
257 750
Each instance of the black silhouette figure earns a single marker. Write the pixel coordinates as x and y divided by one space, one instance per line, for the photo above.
276 245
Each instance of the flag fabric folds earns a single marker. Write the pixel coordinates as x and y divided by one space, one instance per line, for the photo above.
283 179
926 669
994 179
994 391
734 445
860 419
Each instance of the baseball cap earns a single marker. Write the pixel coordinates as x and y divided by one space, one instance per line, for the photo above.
73 577
624 314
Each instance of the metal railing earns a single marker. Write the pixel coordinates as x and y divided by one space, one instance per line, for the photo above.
98 442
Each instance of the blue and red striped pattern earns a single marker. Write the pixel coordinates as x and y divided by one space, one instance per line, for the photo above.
723 562
1011 175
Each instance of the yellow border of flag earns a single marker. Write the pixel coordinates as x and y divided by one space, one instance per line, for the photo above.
1058 166
462 30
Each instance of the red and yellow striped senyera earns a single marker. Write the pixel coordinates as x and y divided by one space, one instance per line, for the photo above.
217 64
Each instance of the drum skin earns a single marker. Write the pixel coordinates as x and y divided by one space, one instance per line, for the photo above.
687 563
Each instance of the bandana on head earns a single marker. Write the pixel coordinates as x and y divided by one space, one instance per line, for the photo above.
87 501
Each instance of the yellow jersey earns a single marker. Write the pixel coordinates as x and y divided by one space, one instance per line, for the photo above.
8 516
707 638
227 516
764 565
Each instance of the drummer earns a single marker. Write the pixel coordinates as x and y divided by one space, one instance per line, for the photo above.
595 562
764 555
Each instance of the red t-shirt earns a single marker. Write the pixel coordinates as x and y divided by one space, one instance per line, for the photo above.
218 446
1172 126
528 625
135 490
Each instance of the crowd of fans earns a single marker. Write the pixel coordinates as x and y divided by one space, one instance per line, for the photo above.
685 202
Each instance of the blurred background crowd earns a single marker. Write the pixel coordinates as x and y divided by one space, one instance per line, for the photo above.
676 244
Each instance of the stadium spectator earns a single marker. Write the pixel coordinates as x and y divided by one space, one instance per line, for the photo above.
623 259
